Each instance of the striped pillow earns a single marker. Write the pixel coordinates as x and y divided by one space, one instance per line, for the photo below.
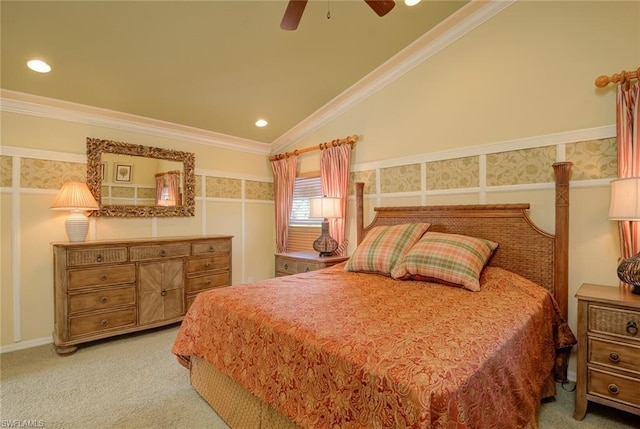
383 246
450 259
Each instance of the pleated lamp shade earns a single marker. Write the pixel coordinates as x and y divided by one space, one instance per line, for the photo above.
75 197
625 205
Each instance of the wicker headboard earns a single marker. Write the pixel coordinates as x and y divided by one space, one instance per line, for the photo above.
523 247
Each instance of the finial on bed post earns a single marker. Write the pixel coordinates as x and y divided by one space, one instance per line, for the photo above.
359 211
562 172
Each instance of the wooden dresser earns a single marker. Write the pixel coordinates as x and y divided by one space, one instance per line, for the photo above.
112 287
608 367
302 262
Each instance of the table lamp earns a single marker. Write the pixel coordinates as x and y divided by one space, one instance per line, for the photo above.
325 208
75 197
625 205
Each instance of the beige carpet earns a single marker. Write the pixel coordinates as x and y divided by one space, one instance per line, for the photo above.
135 382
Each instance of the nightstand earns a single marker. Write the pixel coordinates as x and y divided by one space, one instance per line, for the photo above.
302 262
608 367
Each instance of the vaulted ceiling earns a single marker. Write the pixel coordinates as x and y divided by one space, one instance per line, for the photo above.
212 65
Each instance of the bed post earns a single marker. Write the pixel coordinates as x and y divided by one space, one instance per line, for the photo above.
359 211
562 172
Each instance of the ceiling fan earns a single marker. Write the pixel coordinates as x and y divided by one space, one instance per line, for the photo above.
294 10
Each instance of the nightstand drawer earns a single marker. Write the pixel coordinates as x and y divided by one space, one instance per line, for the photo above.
305 267
615 355
286 266
614 321
617 388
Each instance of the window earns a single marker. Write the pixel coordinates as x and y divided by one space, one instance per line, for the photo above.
302 229
304 188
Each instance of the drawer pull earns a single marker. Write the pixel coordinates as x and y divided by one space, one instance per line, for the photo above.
211 249
163 253
307 270
103 299
286 266
208 264
104 322
632 328
163 293
614 357
613 389
103 277
99 258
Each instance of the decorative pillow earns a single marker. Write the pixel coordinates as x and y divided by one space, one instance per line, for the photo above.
451 259
383 246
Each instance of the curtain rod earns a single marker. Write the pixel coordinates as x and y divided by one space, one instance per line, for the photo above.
333 143
623 76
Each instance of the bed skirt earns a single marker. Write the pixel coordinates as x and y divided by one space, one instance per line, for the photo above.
236 406
239 408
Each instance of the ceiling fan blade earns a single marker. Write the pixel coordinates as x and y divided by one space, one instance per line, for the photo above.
381 7
292 14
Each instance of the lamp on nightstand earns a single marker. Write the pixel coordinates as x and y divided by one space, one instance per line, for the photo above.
325 208
625 205
77 198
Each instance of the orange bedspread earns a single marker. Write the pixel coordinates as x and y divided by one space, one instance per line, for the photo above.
331 349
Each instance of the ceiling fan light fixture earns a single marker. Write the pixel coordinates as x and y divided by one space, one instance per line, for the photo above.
411 2
39 66
261 123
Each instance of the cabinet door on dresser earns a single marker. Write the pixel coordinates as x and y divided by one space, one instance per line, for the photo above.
160 281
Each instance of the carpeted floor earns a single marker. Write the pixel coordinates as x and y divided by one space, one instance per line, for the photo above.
135 382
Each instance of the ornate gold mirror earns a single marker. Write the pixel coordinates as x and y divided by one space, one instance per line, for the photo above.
130 180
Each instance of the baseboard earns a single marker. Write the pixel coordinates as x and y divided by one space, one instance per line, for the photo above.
21 345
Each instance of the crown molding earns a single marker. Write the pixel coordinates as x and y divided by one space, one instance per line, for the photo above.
29 104
467 18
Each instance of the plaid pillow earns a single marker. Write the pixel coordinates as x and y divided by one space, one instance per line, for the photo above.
383 246
450 259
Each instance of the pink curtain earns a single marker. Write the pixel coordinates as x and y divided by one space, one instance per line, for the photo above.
284 179
334 175
628 131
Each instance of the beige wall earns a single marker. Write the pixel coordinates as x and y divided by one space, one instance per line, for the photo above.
513 95
524 79
234 196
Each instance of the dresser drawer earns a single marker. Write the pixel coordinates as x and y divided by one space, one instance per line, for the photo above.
211 246
101 276
214 261
102 300
614 321
615 355
104 255
617 388
195 284
93 323
141 253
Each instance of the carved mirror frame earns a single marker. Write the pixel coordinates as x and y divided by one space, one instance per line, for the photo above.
97 147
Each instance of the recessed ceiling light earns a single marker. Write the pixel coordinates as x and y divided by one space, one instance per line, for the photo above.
261 123
411 2
39 66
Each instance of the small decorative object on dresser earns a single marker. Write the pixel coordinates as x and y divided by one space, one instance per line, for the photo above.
111 287
625 207
325 208
608 370
302 262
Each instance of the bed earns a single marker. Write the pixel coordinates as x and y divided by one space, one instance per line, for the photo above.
390 341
